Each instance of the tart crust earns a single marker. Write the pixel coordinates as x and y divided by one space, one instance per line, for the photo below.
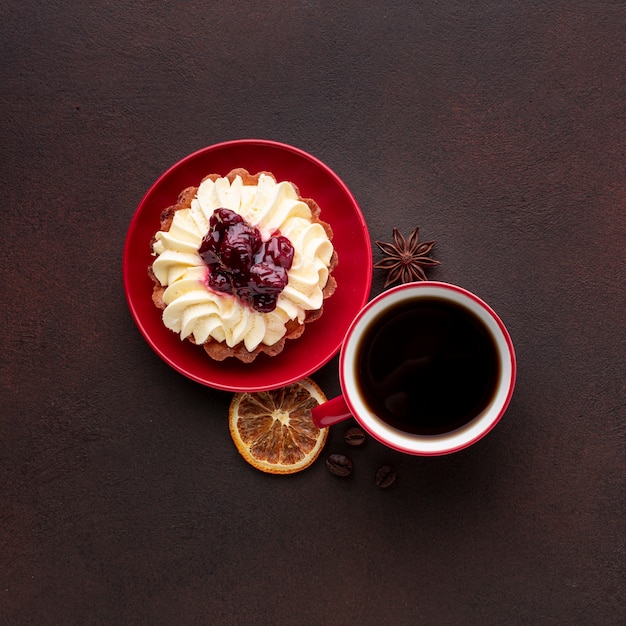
219 351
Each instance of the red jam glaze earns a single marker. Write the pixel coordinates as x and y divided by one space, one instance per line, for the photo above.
240 263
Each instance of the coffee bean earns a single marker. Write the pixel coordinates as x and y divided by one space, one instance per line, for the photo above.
355 436
339 465
385 476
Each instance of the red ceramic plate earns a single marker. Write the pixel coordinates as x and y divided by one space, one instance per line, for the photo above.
322 338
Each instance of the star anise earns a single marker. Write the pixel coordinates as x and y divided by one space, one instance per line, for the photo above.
405 260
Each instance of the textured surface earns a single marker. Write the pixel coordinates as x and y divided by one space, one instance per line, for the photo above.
497 127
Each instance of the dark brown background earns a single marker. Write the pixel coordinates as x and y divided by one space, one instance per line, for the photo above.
497 127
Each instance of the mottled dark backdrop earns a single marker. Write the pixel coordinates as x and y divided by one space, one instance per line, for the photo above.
497 127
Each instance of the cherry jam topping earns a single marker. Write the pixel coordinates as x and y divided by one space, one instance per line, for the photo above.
242 264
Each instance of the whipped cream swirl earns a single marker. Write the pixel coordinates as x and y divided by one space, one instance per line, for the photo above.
193 309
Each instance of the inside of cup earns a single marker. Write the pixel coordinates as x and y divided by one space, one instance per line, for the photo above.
462 436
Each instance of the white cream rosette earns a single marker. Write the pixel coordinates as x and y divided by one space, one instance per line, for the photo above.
192 309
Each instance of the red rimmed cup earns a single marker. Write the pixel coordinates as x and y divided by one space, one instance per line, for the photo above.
426 368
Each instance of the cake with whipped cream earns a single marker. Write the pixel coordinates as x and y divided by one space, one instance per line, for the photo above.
242 264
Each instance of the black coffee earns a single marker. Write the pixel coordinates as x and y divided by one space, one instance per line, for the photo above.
427 366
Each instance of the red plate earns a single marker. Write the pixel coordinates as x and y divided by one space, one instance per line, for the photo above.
322 338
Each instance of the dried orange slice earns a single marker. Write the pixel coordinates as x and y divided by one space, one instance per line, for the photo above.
273 430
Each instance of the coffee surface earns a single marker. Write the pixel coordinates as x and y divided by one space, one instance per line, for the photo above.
427 366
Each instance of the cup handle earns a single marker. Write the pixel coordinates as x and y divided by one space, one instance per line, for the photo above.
330 412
